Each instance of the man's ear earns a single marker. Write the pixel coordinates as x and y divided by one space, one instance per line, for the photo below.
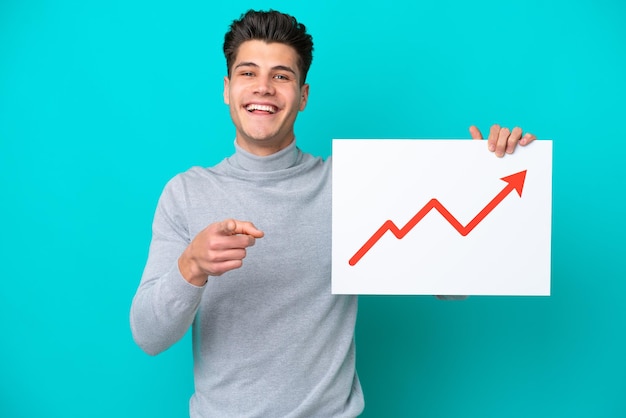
226 90
304 96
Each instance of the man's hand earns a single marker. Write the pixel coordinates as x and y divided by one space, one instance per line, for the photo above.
218 248
503 140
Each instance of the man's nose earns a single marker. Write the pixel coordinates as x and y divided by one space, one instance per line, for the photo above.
264 86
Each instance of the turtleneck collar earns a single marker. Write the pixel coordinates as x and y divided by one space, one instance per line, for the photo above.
285 158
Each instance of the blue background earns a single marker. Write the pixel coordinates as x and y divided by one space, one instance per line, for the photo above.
101 102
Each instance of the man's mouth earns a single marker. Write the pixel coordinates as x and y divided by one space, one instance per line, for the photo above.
261 108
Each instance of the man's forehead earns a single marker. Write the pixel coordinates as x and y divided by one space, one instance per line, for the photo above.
260 52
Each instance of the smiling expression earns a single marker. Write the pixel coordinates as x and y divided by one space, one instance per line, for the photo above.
264 95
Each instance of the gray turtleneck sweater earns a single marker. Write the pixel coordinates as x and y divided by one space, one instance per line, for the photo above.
269 339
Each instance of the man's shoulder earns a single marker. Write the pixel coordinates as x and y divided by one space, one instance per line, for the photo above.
195 173
189 179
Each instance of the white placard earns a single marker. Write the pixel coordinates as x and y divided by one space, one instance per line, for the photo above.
440 217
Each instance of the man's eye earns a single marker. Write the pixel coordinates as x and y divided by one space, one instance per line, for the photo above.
281 77
247 74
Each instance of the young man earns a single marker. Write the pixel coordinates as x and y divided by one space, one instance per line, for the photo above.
269 339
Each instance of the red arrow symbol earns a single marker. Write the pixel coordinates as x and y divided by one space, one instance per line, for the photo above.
515 182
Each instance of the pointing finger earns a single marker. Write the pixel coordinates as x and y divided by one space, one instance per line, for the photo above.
235 227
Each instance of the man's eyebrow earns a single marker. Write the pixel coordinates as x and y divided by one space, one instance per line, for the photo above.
246 64
284 68
276 67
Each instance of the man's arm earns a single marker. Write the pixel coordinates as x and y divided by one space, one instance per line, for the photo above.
172 284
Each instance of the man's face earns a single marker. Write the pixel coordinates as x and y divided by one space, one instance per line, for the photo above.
265 96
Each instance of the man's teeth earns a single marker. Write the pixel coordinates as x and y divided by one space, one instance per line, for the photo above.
265 108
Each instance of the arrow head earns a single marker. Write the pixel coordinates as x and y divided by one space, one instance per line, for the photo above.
516 181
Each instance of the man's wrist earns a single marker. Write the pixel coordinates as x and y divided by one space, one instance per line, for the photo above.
191 272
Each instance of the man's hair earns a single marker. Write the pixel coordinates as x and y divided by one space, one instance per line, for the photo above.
270 26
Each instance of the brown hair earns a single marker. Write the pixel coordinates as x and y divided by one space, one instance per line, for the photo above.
270 26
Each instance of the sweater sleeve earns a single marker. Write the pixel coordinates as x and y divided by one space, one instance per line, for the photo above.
165 304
